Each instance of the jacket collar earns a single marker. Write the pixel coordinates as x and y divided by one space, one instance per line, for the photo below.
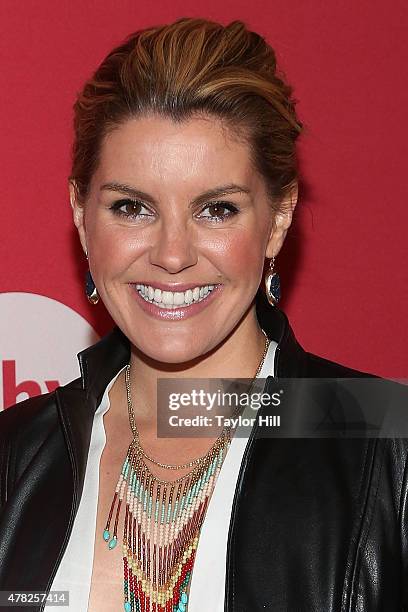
100 362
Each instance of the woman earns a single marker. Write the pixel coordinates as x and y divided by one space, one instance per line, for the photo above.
183 185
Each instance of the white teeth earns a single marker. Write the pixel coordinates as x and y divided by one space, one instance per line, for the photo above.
167 298
170 299
178 298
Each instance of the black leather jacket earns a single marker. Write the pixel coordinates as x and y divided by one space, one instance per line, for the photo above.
317 525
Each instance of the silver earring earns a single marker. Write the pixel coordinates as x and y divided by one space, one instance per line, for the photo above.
90 289
272 284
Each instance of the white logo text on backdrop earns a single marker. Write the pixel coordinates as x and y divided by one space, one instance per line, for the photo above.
39 341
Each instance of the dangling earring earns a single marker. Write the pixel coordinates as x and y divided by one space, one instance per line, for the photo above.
272 284
90 289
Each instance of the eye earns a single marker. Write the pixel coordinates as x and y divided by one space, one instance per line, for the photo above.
130 209
217 215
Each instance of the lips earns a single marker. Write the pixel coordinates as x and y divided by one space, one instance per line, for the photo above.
173 299
175 311
172 286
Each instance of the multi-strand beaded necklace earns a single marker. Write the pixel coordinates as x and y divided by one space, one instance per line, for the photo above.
163 520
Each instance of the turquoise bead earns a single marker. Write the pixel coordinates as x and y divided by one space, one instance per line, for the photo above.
127 606
184 598
106 535
113 543
181 607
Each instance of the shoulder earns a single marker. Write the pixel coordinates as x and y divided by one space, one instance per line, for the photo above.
374 406
321 367
373 414
34 412
26 429
378 392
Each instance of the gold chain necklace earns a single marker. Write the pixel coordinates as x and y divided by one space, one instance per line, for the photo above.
135 432
163 520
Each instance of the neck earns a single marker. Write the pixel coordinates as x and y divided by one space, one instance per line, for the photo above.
237 356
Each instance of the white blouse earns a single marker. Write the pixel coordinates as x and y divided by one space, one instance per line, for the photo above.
75 570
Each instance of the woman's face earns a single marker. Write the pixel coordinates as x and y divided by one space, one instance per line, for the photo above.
179 210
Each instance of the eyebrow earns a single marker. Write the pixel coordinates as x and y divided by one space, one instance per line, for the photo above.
221 190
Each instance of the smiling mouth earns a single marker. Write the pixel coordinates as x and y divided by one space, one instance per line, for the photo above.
171 300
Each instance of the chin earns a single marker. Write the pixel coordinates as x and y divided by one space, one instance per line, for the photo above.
170 354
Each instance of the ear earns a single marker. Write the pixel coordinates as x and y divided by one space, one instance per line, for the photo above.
282 221
78 214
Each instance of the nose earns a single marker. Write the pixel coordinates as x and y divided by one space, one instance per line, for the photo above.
174 246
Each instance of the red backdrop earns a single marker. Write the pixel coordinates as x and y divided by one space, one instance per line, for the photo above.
344 264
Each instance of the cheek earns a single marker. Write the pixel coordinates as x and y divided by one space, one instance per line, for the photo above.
113 247
240 253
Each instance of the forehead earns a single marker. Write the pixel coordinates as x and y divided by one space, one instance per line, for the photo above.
198 149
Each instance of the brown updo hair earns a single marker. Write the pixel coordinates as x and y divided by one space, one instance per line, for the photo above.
184 68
